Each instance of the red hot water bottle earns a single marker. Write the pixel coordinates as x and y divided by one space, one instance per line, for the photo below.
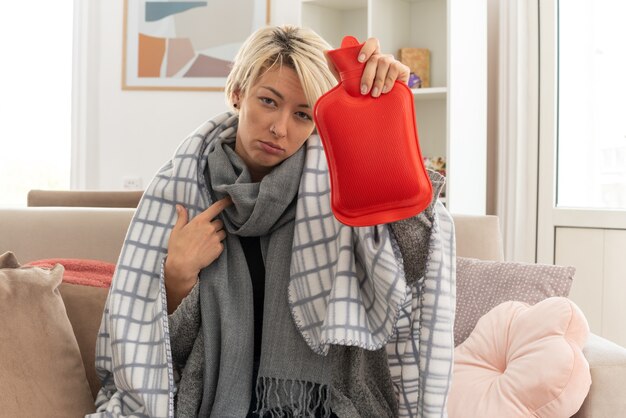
377 173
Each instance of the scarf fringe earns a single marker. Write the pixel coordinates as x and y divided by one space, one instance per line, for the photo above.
279 398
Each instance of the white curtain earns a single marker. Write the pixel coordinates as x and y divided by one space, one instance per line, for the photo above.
518 128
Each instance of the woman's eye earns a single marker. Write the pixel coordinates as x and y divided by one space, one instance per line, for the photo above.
304 116
267 101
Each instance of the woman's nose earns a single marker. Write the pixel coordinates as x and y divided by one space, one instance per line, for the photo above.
279 129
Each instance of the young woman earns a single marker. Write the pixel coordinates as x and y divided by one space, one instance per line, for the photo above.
237 294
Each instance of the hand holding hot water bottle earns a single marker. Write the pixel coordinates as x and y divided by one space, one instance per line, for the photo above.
377 173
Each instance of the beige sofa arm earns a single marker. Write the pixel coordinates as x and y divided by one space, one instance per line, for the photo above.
90 233
607 361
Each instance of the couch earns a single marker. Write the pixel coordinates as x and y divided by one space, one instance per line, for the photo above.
97 233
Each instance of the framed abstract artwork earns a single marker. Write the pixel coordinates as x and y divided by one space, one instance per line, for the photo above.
185 45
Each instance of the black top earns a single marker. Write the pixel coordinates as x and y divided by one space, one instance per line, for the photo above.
256 267
254 258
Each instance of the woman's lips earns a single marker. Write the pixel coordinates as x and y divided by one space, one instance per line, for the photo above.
271 148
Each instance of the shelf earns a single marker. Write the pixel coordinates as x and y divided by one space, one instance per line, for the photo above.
338 5
430 93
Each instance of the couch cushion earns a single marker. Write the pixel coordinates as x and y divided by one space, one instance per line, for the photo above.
41 371
482 285
522 361
84 290
84 306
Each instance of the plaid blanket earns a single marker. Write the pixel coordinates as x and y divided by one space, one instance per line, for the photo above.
333 299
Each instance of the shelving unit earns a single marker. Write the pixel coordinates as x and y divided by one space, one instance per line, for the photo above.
430 93
451 114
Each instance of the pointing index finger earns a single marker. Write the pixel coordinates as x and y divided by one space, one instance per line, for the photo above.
217 207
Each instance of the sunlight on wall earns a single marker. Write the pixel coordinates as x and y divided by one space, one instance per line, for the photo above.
35 103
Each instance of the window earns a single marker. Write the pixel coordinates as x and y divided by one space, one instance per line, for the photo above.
35 98
592 104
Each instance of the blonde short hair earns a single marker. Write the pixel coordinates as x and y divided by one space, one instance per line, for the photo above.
298 48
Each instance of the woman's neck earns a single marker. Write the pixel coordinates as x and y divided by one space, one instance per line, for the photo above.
257 175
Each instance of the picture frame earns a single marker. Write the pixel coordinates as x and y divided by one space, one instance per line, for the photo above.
168 44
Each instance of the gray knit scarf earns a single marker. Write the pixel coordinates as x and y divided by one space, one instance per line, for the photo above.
265 209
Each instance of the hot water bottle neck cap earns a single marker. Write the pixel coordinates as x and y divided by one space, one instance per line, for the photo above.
346 62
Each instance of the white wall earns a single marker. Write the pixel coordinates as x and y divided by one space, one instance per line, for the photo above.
132 133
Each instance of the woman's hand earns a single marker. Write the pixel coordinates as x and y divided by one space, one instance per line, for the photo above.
192 246
381 70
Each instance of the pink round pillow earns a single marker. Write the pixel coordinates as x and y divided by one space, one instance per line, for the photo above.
522 361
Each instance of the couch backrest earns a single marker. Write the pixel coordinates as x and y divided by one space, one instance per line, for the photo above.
85 198
36 233
98 233
478 236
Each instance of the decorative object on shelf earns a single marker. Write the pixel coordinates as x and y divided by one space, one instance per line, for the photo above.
168 45
414 81
437 164
363 191
418 60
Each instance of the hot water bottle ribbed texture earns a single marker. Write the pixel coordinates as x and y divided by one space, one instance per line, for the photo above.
377 173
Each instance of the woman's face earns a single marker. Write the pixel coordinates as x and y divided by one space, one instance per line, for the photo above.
274 121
